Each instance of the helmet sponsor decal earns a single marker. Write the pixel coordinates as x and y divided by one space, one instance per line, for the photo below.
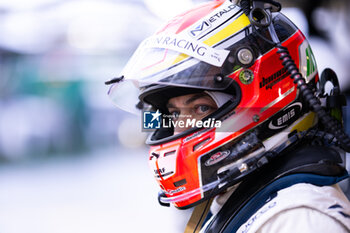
171 192
191 47
162 172
196 134
163 166
200 29
273 79
221 12
307 66
285 117
203 26
217 157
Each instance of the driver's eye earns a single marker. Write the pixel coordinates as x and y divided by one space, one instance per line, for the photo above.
203 108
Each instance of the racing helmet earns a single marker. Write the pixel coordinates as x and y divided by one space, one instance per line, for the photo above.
215 48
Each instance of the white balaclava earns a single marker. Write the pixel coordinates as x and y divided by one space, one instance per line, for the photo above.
220 98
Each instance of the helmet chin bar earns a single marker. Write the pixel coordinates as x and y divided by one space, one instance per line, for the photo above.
185 196
233 173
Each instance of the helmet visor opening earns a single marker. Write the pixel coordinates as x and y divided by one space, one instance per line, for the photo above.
201 76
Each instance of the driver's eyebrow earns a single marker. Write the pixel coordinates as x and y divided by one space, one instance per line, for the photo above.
190 100
168 105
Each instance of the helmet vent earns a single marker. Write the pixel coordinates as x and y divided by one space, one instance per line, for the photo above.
201 143
180 183
169 153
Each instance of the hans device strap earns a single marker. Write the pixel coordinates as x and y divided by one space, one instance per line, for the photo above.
198 216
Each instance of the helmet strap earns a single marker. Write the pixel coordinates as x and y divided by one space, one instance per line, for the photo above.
198 216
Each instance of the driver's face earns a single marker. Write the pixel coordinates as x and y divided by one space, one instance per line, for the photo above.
192 106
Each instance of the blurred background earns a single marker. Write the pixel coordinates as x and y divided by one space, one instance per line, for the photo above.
69 160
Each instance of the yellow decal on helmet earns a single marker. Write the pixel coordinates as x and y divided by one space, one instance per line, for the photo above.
306 123
234 27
